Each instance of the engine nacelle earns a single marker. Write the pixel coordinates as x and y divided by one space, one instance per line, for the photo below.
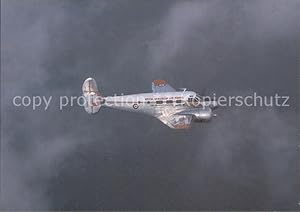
199 114
202 114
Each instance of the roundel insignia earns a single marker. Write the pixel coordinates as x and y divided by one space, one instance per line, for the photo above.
135 106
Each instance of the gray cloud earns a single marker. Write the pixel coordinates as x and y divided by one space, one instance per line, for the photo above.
181 20
244 159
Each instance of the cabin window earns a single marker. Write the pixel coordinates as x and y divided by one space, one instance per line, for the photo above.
148 102
178 101
159 102
190 99
169 101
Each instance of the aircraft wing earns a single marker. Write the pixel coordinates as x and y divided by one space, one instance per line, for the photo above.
159 86
177 121
170 117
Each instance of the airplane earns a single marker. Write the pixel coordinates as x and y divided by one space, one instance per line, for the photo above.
176 109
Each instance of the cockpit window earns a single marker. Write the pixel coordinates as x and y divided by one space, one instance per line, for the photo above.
197 98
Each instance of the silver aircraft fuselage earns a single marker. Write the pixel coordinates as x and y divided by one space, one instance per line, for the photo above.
150 103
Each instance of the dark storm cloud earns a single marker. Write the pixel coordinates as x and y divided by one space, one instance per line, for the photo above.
244 159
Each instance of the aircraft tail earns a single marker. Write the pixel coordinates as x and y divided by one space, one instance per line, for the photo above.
93 98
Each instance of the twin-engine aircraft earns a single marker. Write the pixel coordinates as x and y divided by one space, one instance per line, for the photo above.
176 109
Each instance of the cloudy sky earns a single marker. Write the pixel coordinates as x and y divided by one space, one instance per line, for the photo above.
246 158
